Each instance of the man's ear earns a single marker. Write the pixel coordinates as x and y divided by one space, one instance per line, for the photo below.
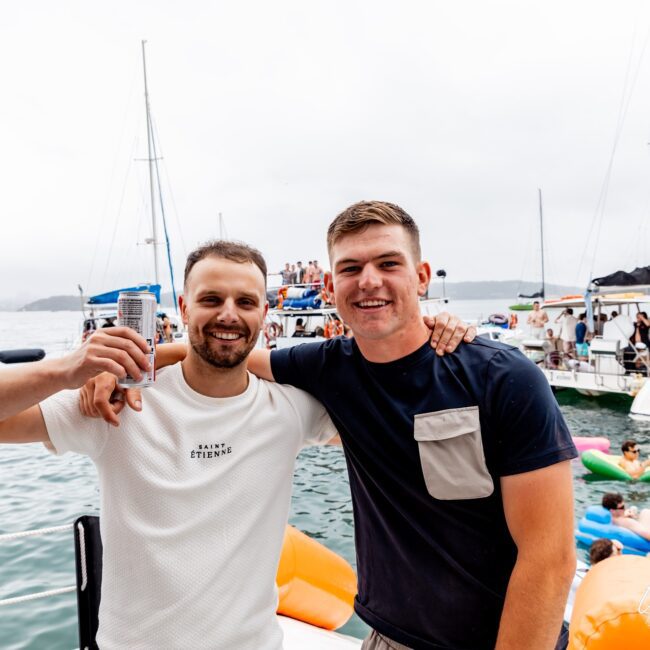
182 305
424 277
329 286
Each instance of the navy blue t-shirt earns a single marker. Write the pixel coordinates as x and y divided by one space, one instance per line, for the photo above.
426 439
581 331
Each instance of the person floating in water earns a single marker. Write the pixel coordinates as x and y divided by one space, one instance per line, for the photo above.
603 548
637 522
631 462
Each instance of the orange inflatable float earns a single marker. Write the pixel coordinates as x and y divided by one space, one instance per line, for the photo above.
612 606
315 584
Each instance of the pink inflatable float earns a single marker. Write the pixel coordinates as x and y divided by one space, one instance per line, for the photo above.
584 443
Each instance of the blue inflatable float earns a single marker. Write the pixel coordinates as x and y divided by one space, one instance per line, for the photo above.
302 299
597 522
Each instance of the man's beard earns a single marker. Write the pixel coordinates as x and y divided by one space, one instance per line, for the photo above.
222 358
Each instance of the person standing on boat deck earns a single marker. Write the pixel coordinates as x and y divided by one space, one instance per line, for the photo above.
300 273
582 347
285 274
567 333
459 465
309 273
537 319
318 274
473 441
183 484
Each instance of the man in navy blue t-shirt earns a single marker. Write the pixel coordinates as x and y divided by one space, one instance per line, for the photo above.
459 465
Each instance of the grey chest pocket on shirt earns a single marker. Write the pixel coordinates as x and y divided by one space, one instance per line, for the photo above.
451 454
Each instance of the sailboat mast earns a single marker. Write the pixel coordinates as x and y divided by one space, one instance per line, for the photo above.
541 239
154 231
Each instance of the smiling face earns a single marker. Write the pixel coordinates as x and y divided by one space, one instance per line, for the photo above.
224 307
377 283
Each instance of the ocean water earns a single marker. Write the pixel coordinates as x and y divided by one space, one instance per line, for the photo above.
38 490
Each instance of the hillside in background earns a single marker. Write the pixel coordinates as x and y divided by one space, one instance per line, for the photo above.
455 290
71 303
501 289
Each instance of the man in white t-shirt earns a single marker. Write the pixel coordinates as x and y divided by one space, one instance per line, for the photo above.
194 491
567 333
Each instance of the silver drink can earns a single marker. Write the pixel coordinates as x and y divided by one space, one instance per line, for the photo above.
137 310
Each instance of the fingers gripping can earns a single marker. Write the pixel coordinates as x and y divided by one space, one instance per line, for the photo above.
137 310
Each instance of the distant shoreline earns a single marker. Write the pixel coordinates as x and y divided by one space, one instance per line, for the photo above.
500 290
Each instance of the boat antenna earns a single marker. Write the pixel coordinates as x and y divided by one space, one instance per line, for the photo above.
154 238
541 239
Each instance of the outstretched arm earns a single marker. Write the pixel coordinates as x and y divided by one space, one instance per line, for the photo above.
538 506
28 426
118 350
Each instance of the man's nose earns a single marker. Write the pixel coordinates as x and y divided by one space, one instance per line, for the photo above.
370 278
228 312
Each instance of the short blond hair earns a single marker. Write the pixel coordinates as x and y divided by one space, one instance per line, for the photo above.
359 216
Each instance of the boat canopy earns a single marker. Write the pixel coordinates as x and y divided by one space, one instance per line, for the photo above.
639 278
607 300
110 297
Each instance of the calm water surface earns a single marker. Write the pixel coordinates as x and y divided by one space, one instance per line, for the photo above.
38 490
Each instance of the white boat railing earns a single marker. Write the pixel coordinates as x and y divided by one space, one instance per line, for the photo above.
8 537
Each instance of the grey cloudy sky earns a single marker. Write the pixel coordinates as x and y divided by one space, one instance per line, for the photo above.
280 114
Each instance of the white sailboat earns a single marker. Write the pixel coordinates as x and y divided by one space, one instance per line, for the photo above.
103 306
613 364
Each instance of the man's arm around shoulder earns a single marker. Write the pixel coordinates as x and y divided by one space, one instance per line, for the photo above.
538 506
259 363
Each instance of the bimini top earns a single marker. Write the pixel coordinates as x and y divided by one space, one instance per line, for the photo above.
621 280
110 297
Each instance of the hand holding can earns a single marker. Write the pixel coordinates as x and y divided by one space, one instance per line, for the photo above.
137 310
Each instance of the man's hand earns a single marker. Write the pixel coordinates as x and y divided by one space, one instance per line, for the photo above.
102 397
448 331
118 350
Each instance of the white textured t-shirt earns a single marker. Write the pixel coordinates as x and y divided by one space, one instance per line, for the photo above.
195 495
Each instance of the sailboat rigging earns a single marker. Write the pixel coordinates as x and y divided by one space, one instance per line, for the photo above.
155 196
542 292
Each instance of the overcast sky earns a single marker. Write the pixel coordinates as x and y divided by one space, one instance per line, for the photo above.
280 114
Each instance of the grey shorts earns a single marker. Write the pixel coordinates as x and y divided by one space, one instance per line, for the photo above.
376 641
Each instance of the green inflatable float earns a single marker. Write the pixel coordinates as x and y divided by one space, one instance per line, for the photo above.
608 465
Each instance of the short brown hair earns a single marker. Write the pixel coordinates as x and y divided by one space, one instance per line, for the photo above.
359 216
628 444
611 500
228 250
600 549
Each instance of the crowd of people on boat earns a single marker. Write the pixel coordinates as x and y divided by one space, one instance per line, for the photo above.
165 328
312 274
573 337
